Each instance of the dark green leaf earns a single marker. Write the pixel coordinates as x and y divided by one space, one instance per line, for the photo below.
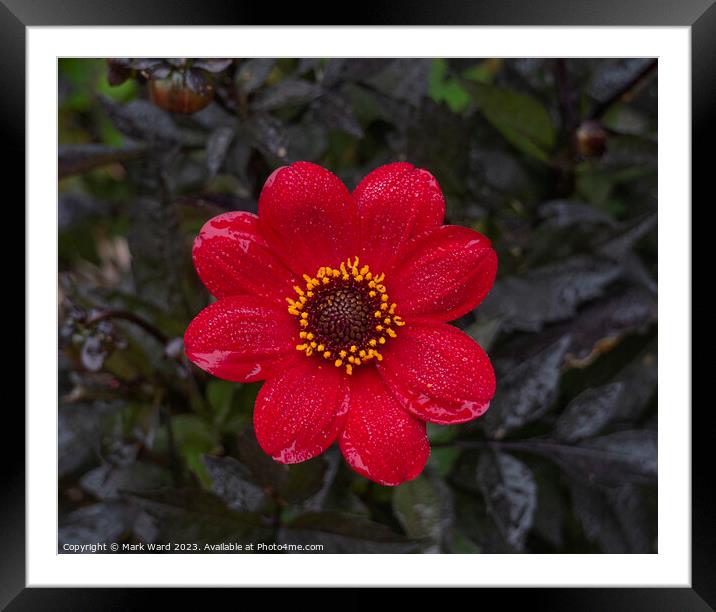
252 73
619 244
269 135
288 483
596 330
198 517
511 495
214 64
639 381
231 481
337 113
444 88
102 523
216 148
288 92
553 292
423 511
566 213
403 79
520 118
526 392
588 413
621 457
342 533
141 120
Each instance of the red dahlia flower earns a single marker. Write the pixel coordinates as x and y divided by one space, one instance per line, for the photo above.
340 302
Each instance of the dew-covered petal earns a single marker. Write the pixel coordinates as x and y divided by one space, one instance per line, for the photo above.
381 441
299 413
306 215
438 373
241 338
394 203
443 273
232 258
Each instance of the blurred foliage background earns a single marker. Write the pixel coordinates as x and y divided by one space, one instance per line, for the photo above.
554 159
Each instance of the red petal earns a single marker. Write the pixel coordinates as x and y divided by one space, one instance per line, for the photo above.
241 338
305 213
299 413
232 258
380 440
438 373
443 273
394 203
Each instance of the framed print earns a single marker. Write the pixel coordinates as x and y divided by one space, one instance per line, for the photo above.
392 306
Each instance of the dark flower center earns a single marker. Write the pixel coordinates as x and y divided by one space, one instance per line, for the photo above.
344 315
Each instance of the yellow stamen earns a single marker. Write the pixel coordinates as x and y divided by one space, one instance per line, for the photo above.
343 341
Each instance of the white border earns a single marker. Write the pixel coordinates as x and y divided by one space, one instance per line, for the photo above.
670 567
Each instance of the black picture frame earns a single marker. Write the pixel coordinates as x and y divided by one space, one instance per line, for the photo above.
700 15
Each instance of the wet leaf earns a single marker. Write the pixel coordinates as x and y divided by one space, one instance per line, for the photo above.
252 73
596 330
269 135
639 382
601 326
288 92
197 81
195 516
337 113
526 392
403 79
618 245
553 292
231 481
211 64
217 147
510 493
102 523
342 533
566 213
622 457
141 120
588 413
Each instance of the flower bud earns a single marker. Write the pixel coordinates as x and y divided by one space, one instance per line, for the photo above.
591 139
181 92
